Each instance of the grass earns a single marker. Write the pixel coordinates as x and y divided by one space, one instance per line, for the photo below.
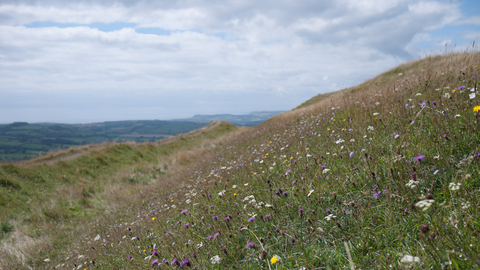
353 180
65 189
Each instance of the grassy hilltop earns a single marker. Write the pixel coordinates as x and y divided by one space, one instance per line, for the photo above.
382 175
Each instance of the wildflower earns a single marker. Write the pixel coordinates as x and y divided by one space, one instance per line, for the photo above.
267 216
476 108
435 172
409 259
330 217
425 204
215 259
351 154
454 186
155 262
221 193
227 218
274 259
251 219
419 158
175 261
300 211
325 171
310 192
424 228
374 114
471 96
396 136
339 141
209 237
186 262
376 194
370 128
215 217
250 244
446 95
461 87
186 225
234 186
216 235
184 212
153 218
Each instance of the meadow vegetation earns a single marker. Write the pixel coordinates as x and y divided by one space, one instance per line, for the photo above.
383 175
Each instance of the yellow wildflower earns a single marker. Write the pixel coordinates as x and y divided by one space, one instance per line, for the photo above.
153 218
476 108
274 259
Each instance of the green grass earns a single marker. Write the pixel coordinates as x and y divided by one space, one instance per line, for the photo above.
38 196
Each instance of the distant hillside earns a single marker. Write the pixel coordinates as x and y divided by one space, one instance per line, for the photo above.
252 119
22 140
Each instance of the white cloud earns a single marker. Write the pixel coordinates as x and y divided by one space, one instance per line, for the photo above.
241 55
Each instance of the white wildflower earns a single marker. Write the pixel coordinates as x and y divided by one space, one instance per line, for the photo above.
46 260
352 140
425 204
374 114
310 192
215 259
339 141
409 259
472 89
446 95
221 193
418 94
325 171
377 103
173 206
148 257
454 186
268 205
188 201
370 128
465 205
330 217
248 198
200 245
400 74
234 186
412 184
471 96
97 237
458 115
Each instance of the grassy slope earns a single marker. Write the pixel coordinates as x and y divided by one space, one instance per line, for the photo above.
44 202
268 192
372 196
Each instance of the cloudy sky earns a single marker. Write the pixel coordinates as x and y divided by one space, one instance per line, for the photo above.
101 60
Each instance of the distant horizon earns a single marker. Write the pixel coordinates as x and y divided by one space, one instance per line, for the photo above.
175 119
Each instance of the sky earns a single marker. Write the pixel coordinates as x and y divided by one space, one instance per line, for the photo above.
104 60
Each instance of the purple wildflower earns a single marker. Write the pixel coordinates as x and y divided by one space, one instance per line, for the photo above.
300 210
209 237
267 216
461 87
376 194
419 158
155 262
186 262
250 244
288 171
294 182
215 217
423 104
351 154
435 172
184 211
186 225
473 77
277 192
444 135
227 218
216 235
328 211
284 193
363 150
212 206
396 136
251 219
175 261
